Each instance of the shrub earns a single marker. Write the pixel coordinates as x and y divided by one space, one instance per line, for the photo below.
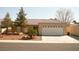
32 32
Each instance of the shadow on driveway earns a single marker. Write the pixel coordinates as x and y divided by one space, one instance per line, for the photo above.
75 37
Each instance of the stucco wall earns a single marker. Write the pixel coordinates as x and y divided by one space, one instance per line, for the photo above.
73 29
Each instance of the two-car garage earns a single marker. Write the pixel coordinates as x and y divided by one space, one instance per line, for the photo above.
52 31
48 29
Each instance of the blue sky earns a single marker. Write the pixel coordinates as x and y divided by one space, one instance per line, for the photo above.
36 12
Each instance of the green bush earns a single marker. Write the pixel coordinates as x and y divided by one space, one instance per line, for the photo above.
32 32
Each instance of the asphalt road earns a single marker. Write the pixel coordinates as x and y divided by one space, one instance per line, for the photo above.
39 46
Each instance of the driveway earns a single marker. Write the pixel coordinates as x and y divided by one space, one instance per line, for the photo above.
60 39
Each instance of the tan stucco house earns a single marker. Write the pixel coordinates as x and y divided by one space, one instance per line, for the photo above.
47 26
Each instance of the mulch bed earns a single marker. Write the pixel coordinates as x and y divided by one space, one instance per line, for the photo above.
14 37
10 37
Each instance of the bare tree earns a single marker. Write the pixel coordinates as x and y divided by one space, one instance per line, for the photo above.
64 15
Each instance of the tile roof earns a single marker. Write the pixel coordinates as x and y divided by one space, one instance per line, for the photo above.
37 21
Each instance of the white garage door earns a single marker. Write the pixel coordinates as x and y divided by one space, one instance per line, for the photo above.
52 31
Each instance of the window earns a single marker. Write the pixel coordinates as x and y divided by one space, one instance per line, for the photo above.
54 26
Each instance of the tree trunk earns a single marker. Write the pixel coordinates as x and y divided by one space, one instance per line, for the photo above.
6 30
21 29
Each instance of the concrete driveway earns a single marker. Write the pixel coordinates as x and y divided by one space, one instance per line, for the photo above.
60 39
